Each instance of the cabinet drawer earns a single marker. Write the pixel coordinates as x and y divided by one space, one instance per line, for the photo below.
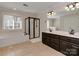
46 41
74 50
55 36
65 47
65 38
75 41
54 40
46 35
55 46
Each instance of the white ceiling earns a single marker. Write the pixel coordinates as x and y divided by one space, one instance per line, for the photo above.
38 7
35 7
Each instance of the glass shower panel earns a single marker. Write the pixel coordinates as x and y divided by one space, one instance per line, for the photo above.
26 26
31 28
37 28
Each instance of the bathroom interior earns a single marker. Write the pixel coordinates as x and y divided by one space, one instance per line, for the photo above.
54 31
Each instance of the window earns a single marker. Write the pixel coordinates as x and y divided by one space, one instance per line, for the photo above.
12 22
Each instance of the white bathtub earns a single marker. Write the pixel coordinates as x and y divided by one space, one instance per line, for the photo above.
10 38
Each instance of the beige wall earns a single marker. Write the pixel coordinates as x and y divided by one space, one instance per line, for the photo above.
43 23
16 13
69 22
51 22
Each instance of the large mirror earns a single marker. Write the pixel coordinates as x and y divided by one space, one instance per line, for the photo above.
65 22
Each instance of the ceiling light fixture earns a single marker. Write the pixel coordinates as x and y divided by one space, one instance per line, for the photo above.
67 8
25 5
72 6
51 13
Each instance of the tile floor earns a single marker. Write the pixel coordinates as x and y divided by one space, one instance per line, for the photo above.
29 49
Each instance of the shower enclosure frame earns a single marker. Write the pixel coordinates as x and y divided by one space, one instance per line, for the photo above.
28 32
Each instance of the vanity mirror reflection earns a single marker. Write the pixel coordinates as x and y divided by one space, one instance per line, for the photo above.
66 22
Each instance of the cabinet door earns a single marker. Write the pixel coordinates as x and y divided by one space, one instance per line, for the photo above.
55 40
46 39
55 43
65 47
74 50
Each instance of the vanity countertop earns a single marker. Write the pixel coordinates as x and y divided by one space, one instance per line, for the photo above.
64 33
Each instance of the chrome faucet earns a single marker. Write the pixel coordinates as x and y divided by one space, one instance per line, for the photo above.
72 31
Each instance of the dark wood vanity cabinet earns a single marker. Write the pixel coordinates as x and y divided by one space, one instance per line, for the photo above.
54 42
74 50
69 46
45 39
51 40
66 45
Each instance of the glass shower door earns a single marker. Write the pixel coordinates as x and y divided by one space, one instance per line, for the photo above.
31 28
37 28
